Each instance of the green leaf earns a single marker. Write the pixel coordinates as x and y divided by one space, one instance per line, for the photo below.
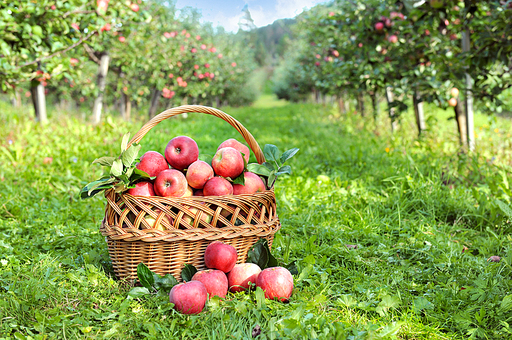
124 143
104 161
288 154
421 303
292 268
240 179
137 292
164 283
260 254
272 153
187 272
505 208
271 179
260 298
258 169
141 174
130 155
206 158
117 168
284 170
145 276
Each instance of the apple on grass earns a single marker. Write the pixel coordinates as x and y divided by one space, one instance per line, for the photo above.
228 162
233 143
220 256
215 281
181 151
170 183
253 184
276 282
189 297
217 186
240 276
152 163
143 188
198 173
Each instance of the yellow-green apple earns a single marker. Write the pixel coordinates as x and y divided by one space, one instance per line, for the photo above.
228 162
144 188
189 192
215 281
189 297
217 186
181 151
240 276
253 183
276 282
152 221
233 143
191 219
170 183
454 92
198 173
153 163
220 256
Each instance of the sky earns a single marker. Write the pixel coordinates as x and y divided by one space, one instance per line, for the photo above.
264 12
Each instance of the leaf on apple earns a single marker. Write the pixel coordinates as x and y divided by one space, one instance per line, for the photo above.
124 143
130 154
288 154
259 169
260 254
238 180
187 272
104 161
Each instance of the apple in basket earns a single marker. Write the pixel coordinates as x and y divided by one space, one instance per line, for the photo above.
181 151
276 282
152 163
170 183
144 188
228 162
189 297
240 276
152 221
220 256
238 146
198 173
253 184
215 281
217 186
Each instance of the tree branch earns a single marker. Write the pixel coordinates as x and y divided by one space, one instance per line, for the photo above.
91 54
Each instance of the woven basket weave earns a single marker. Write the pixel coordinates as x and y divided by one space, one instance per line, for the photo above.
189 223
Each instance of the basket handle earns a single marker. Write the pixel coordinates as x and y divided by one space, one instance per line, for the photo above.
206 110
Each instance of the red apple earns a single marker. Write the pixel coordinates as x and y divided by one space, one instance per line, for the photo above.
181 151
198 193
134 7
253 183
452 102
170 183
240 276
189 192
189 297
379 26
217 186
220 256
228 162
198 173
233 143
153 163
142 189
276 282
393 39
122 39
215 281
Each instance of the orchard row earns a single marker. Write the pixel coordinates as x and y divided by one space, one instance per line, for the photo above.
113 53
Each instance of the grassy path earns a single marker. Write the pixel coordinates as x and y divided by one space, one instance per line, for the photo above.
422 218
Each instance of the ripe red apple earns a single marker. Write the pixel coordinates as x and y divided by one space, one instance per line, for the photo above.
220 256
215 281
189 192
153 163
181 151
253 183
170 183
134 7
228 162
276 282
198 173
217 186
379 27
144 188
233 143
393 39
240 276
189 297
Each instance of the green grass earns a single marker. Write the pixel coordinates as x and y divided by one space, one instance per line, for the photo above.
412 206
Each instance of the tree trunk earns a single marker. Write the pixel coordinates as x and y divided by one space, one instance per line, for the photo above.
360 103
375 105
418 110
126 106
155 98
39 102
217 102
470 126
341 104
101 81
460 117
392 112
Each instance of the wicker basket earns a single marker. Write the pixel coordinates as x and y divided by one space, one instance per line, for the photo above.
195 222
